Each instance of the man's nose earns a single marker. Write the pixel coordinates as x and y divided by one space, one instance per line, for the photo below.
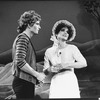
39 27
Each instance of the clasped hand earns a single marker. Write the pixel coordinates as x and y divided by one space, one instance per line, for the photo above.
41 76
58 67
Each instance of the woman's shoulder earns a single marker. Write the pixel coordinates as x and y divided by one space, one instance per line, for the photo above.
51 49
72 46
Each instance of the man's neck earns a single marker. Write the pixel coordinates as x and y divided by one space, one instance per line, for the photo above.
28 33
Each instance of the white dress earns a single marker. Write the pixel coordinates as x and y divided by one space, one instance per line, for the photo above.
64 84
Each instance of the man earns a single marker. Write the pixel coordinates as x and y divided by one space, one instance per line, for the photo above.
23 54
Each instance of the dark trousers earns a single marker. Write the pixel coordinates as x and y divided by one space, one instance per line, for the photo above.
23 89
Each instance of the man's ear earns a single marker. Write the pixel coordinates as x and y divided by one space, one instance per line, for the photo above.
29 26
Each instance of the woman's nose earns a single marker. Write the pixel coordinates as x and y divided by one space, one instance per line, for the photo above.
66 32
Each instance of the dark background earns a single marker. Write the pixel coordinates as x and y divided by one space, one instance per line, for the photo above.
87 39
50 11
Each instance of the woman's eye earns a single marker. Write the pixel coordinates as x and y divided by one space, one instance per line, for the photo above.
62 29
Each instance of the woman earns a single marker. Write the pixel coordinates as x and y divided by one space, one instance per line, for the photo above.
61 59
24 59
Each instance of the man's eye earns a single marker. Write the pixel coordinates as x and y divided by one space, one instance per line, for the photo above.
37 24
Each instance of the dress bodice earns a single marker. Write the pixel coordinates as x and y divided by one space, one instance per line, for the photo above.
69 54
58 56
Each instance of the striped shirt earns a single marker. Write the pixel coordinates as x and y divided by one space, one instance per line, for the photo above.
21 50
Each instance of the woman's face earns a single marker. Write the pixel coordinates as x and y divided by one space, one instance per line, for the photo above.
63 34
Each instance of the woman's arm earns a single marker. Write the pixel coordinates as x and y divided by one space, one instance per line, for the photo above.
80 61
46 67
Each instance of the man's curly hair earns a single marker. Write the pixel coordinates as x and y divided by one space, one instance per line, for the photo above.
27 18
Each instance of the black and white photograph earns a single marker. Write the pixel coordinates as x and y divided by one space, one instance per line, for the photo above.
49 49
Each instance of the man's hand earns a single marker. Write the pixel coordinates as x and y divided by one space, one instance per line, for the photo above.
41 76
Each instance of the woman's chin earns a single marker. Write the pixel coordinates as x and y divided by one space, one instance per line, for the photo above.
64 39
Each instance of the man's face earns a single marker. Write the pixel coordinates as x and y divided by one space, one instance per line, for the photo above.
36 27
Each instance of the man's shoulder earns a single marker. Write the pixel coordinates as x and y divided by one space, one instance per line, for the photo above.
21 35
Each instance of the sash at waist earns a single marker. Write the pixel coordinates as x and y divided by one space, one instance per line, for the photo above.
63 70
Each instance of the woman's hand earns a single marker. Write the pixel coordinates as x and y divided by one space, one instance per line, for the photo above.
65 66
56 68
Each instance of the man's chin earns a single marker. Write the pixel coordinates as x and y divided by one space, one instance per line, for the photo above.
36 33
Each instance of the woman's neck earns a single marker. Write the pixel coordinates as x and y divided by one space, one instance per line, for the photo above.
62 45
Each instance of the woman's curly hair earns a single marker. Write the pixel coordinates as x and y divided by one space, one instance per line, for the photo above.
62 24
27 18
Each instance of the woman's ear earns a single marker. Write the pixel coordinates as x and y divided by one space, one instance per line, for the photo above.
56 35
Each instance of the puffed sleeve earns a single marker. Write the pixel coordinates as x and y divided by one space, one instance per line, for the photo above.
77 55
46 62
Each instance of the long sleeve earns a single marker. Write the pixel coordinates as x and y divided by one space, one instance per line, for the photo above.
46 61
78 56
21 50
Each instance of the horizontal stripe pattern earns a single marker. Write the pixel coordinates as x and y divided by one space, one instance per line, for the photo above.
21 50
